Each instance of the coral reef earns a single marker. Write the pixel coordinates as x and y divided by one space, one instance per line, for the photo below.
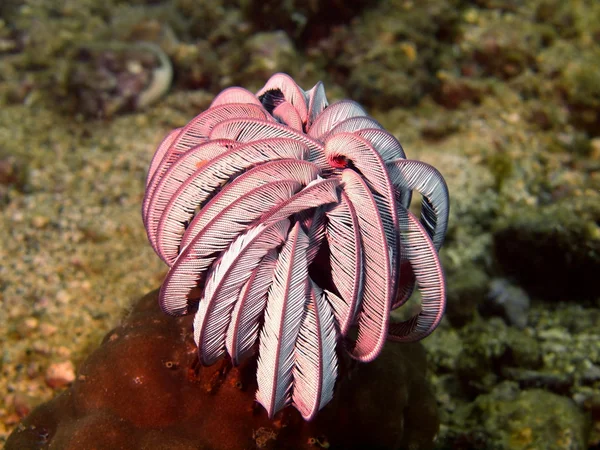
388 57
511 140
110 78
305 22
522 420
144 388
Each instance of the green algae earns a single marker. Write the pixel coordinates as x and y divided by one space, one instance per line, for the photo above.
500 95
560 241
531 419
466 288
390 56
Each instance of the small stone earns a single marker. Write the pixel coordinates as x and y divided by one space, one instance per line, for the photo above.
31 323
33 369
513 118
47 329
63 297
60 374
41 347
40 221
26 326
63 351
22 404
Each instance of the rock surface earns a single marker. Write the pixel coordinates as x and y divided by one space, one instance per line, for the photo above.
143 388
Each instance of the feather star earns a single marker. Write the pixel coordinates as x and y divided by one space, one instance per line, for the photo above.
286 220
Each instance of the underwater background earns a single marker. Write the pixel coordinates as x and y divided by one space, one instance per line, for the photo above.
501 96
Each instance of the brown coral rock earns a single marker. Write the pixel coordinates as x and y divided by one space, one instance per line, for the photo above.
143 388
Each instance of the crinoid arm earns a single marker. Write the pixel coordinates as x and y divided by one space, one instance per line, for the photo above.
285 225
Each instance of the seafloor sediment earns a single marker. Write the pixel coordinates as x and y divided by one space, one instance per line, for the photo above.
502 96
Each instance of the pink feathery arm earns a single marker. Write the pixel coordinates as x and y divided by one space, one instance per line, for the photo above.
385 143
283 317
317 193
425 263
197 188
160 152
254 129
190 267
249 308
352 125
373 318
281 87
333 115
156 159
408 174
224 282
315 369
317 102
281 169
235 94
346 261
288 115
351 150
157 200
195 133
313 224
